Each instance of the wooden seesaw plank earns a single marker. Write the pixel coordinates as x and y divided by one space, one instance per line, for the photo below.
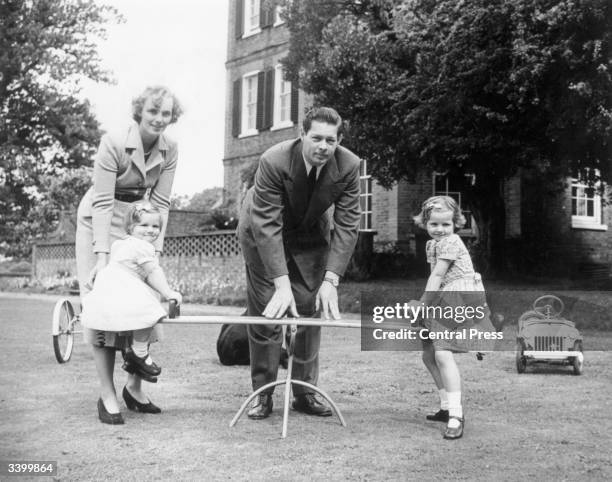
258 320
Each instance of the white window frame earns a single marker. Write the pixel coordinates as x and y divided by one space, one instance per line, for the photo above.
457 195
279 82
365 195
584 221
251 20
277 16
245 130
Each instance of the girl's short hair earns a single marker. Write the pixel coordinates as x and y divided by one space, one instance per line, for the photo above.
157 93
439 203
135 211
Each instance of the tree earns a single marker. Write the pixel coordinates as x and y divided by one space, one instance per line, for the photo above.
56 194
46 49
470 87
220 208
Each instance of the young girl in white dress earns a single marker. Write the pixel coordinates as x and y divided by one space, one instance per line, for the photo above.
452 282
123 297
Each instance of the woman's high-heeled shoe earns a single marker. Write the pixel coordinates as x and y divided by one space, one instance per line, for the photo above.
106 417
136 406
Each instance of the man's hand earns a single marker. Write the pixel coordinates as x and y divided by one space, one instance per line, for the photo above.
327 297
281 300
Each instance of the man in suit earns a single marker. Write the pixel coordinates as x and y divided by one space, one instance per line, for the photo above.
294 258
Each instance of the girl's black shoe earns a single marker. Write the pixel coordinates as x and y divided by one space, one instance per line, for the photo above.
455 432
439 416
136 406
138 366
106 417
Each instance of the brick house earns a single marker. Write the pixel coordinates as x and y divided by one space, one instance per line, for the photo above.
263 109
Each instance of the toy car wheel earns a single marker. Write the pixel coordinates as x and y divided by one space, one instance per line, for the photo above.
521 361
63 330
578 361
549 306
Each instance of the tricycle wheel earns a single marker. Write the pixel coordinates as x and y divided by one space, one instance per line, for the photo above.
63 330
578 361
521 361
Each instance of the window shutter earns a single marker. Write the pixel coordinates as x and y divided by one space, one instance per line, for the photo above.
236 108
266 14
268 119
239 18
261 89
295 104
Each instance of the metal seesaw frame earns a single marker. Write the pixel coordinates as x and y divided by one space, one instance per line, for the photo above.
175 318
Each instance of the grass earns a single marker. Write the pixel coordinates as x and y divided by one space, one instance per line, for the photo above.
544 425
589 309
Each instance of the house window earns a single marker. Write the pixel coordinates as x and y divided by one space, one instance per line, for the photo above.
282 101
444 186
251 17
586 206
249 104
365 198
278 11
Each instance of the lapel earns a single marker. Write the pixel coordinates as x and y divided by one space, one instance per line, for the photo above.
135 150
157 154
297 182
133 146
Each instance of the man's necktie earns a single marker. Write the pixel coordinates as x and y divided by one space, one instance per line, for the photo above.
312 180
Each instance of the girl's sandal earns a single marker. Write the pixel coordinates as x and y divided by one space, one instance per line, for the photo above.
452 433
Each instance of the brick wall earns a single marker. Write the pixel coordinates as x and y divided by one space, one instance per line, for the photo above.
384 215
548 245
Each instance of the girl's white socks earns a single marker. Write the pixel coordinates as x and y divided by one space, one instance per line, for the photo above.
443 399
454 408
140 348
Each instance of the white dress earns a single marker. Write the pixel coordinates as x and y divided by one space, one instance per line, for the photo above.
121 300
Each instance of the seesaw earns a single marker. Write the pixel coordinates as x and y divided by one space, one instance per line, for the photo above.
65 320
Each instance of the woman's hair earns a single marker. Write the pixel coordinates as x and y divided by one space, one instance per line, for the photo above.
326 115
439 204
134 214
157 93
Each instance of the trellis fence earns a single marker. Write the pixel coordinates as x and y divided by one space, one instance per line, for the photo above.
206 267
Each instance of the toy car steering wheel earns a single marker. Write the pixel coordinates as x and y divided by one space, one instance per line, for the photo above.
549 306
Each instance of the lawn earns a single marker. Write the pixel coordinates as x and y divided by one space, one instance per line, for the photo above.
544 425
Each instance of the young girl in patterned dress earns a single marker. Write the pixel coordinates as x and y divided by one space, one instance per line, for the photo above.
123 297
452 282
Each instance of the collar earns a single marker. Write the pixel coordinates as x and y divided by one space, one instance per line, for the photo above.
134 141
309 166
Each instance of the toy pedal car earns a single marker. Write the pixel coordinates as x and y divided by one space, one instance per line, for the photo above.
545 336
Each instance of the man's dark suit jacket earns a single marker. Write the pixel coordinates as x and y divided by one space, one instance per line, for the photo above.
278 223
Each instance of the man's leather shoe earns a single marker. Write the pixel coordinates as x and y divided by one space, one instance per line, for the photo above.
439 416
452 433
309 405
262 407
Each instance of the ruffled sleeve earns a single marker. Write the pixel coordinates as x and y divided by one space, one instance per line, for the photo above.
144 256
449 248
430 251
